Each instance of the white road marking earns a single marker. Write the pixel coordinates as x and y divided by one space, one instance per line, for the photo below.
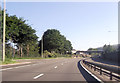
14 67
38 76
55 67
61 63
92 74
22 66
6 69
18 67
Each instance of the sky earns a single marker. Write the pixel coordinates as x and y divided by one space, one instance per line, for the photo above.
85 24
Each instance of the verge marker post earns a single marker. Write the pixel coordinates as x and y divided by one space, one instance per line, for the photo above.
4 23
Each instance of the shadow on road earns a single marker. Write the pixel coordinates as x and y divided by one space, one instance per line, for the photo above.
86 75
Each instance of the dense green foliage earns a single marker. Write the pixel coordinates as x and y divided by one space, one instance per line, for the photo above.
92 49
21 39
53 41
118 49
118 53
109 53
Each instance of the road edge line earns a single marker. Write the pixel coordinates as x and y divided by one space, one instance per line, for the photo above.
14 67
91 74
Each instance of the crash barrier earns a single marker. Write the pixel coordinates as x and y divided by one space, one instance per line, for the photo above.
111 71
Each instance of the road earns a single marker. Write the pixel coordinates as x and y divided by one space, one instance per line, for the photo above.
66 69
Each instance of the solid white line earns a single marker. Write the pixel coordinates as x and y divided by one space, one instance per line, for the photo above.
6 69
38 76
92 74
14 64
21 66
14 67
55 67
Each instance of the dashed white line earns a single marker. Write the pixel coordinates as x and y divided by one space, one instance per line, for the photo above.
92 74
38 76
55 67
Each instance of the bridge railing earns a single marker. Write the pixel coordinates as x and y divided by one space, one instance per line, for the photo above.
111 71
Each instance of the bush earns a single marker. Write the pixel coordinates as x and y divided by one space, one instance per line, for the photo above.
46 54
109 53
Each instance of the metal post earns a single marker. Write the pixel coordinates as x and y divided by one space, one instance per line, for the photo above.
4 23
100 71
94 68
91 66
110 75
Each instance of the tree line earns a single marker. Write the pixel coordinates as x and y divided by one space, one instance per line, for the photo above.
22 41
109 52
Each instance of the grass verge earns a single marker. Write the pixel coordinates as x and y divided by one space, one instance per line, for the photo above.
8 61
12 61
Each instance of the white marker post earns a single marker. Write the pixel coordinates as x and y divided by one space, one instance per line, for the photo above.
4 23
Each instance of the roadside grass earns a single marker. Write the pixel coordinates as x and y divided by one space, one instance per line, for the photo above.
39 58
8 61
13 60
32 58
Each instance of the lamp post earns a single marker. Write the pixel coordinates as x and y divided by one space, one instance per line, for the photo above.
4 23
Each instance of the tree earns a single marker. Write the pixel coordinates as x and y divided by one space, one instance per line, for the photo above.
20 33
30 38
46 54
109 53
92 49
51 39
26 36
54 41
118 49
108 49
11 29
0 24
118 54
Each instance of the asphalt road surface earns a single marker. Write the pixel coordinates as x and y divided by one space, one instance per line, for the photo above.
66 69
